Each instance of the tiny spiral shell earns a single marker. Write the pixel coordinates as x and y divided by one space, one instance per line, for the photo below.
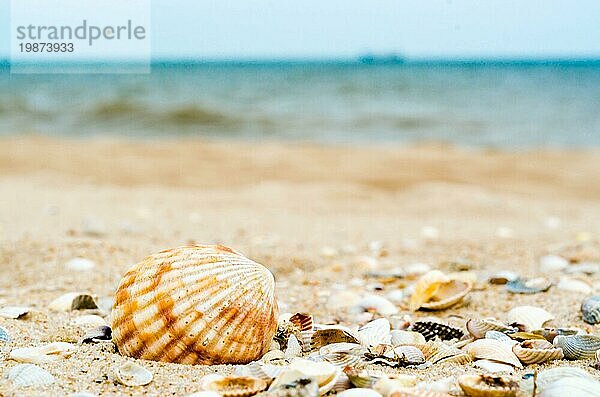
203 304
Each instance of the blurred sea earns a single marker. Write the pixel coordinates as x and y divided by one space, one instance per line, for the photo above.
514 105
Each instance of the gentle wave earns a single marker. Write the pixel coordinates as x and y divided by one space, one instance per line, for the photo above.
510 105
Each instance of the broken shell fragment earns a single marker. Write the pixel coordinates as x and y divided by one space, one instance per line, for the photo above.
537 351
29 375
203 304
491 349
98 334
590 309
236 386
530 316
324 337
43 354
578 347
488 386
4 337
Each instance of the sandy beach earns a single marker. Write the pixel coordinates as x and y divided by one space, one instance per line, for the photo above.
310 213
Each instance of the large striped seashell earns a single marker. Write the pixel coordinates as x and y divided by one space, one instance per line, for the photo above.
478 328
590 309
537 351
530 316
491 349
474 385
203 304
578 347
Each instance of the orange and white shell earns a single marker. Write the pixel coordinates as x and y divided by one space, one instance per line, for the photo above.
203 304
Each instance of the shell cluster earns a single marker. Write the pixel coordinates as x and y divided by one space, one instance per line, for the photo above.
207 304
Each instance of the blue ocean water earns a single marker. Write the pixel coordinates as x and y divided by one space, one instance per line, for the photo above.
515 105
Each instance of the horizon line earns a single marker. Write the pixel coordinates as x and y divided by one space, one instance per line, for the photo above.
367 59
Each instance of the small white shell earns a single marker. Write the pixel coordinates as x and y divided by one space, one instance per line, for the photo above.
24 375
376 332
532 317
574 285
43 354
80 264
552 263
378 304
359 392
14 312
132 374
90 320
493 367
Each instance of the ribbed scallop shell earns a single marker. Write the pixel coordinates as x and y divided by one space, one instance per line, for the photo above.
203 304
530 316
537 351
573 387
488 386
578 347
478 328
590 309
493 350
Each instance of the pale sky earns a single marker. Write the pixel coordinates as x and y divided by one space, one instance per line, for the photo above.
347 28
